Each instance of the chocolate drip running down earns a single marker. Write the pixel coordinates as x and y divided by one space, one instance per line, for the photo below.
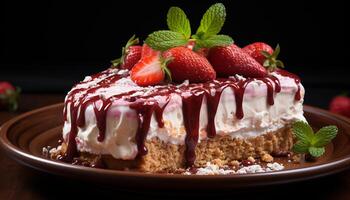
145 106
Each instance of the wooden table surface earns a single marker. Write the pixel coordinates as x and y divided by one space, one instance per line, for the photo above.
20 182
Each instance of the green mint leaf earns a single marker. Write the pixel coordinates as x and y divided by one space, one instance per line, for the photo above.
301 147
316 151
178 21
324 136
303 131
163 40
215 40
212 20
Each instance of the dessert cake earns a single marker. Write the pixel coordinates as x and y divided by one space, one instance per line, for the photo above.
221 104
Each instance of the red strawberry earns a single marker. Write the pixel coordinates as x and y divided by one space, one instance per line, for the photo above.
255 49
200 51
131 54
340 105
265 55
148 51
186 64
151 69
190 44
8 96
203 51
231 60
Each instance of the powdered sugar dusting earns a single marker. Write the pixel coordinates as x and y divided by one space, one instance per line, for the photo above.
213 169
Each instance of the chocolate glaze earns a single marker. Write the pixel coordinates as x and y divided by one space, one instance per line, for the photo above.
144 112
145 106
191 106
296 79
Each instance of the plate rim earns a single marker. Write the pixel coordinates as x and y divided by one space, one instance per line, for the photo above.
53 167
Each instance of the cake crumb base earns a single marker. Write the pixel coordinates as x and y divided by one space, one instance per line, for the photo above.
221 152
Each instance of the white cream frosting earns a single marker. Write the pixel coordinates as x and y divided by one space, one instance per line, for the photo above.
121 124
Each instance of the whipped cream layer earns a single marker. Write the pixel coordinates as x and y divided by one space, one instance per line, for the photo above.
122 120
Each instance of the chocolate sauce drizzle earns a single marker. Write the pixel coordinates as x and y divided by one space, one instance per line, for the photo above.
145 105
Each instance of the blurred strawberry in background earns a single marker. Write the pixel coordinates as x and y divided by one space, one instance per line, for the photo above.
340 105
8 96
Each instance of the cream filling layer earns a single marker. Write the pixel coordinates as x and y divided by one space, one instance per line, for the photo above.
121 125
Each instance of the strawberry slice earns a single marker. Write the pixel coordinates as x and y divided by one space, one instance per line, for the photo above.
151 69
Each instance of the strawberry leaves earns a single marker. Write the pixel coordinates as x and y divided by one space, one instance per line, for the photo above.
271 62
310 142
166 71
179 33
120 61
9 97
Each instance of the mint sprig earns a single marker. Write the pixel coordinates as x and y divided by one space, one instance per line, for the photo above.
212 21
214 40
210 25
310 142
165 39
178 22
179 33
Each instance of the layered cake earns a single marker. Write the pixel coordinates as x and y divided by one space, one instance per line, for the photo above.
220 103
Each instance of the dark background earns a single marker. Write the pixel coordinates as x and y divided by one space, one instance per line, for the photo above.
46 47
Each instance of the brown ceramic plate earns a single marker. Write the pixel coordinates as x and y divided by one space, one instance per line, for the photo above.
24 136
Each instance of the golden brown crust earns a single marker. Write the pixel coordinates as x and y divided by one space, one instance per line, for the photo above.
223 150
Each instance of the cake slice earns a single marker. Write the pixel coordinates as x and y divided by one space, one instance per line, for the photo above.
131 117
166 127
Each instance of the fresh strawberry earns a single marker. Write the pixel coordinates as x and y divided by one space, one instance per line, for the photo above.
231 60
265 55
255 49
8 96
340 105
201 51
151 69
131 54
186 64
148 51
190 44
